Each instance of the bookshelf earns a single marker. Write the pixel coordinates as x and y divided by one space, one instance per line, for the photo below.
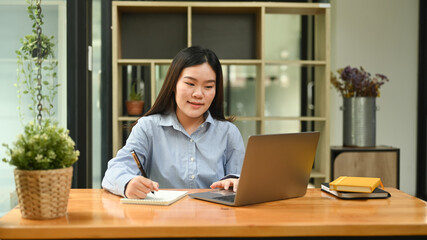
262 65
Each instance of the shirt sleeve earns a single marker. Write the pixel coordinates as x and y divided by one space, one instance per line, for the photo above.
235 153
122 168
231 176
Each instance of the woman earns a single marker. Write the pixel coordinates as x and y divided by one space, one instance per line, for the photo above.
184 140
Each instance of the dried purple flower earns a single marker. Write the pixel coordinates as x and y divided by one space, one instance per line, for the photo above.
354 82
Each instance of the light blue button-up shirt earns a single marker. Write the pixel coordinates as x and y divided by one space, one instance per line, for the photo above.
175 159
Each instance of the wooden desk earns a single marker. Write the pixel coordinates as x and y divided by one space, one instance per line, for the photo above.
98 214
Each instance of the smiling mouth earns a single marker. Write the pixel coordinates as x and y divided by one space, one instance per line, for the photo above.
195 103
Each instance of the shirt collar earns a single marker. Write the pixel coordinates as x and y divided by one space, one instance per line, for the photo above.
170 119
209 118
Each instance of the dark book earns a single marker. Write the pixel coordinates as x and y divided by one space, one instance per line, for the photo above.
377 193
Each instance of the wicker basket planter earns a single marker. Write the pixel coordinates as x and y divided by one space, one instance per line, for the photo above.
43 194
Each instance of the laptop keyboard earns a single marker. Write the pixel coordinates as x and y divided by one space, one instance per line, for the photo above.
227 198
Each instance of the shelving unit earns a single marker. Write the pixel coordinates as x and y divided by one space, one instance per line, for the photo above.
243 35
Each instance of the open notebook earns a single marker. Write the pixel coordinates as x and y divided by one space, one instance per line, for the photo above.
161 197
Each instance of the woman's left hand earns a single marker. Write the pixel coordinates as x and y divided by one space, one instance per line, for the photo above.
226 183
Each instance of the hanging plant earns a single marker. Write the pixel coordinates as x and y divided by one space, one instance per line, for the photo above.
37 50
43 145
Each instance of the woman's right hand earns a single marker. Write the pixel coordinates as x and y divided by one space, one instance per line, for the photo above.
139 187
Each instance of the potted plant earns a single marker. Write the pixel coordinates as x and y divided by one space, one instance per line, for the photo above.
44 153
134 105
359 90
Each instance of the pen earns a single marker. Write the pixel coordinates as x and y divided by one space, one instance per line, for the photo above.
138 163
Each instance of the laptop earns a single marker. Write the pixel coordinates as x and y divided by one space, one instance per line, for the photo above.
276 167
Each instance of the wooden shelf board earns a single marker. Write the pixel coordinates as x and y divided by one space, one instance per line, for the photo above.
319 119
128 118
297 62
297 118
143 61
240 61
223 7
228 62
241 118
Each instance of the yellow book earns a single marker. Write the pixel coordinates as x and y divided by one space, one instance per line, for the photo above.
355 184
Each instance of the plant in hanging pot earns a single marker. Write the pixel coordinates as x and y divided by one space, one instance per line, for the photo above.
134 105
359 90
44 153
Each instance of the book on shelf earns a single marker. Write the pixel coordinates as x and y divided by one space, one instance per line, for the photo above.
161 197
377 193
355 184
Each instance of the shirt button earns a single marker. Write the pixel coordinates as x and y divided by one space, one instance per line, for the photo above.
203 125
191 140
192 176
192 159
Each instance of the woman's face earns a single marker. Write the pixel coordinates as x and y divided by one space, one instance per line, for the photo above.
195 91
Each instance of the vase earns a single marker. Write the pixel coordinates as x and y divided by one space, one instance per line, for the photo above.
359 116
43 194
134 108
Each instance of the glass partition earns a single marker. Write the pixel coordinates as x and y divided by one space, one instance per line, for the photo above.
240 90
282 126
161 71
282 91
96 94
14 25
247 128
282 37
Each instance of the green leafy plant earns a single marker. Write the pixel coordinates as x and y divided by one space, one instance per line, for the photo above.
135 95
43 145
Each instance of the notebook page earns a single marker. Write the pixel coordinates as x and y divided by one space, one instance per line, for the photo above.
161 197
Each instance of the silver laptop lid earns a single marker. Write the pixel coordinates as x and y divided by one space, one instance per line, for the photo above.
276 167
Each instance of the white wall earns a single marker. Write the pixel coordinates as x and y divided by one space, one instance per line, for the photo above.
381 36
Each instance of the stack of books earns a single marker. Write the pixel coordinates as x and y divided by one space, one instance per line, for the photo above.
356 188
